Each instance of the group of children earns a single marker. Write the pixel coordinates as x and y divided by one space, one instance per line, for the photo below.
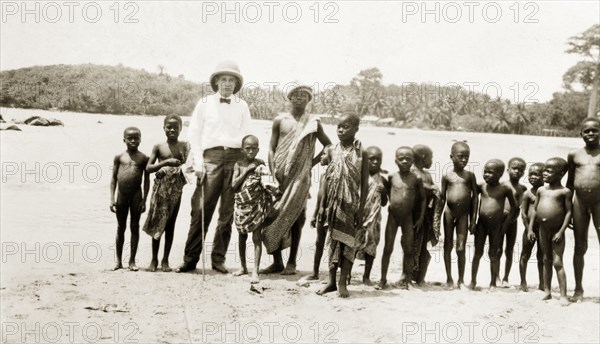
353 191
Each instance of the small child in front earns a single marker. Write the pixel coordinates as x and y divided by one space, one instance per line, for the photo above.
129 169
431 228
252 202
516 170
536 181
491 219
407 198
552 210
459 193
318 219
347 183
376 198
166 193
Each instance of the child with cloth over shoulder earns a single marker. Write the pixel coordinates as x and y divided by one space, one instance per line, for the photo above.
347 183
253 201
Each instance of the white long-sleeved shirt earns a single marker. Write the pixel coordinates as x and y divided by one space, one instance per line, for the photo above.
215 124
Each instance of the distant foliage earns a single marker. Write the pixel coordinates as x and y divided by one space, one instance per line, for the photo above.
122 90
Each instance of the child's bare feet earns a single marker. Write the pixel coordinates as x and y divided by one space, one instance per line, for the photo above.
133 267
327 289
462 286
473 285
564 301
367 281
381 285
118 266
547 296
492 287
523 287
240 272
290 269
272 269
343 291
505 284
164 265
255 278
402 284
450 283
153 265
540 287
313 277
577 296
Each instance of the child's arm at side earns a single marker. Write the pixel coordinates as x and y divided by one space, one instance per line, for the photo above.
569 208
571 172
474 202
384 192
514 209
113 183
146 186
422 196
525 208
239 174
273 143
532 218
364 187
317 212
443 190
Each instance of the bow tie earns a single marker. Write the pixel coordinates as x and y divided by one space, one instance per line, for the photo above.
225 100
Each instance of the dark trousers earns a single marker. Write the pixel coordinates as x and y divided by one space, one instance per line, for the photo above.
218 165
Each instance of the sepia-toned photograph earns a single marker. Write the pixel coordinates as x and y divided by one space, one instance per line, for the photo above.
299 171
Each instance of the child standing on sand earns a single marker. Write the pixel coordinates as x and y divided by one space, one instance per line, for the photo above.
459 194
552 210
584 182
529 239
347 183
516 170
318 218
252 202
407 198
431 224
129 168
376 198
491 219
166 193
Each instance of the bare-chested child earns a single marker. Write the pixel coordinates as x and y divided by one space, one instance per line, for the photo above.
165 161
529 239
516 170
491 219
318 218
129 170
459 194
252 202
407 197
584 182
377 197
430 231
552 210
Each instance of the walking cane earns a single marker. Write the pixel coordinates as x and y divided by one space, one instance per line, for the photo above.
202 226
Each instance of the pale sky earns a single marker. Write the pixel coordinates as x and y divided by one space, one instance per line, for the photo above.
518 46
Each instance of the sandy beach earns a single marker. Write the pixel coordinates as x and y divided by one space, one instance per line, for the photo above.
57 237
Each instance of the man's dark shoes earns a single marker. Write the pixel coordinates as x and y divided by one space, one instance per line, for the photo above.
220 268
186 267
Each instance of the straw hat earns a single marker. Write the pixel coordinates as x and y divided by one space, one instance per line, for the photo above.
301 87
230 68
